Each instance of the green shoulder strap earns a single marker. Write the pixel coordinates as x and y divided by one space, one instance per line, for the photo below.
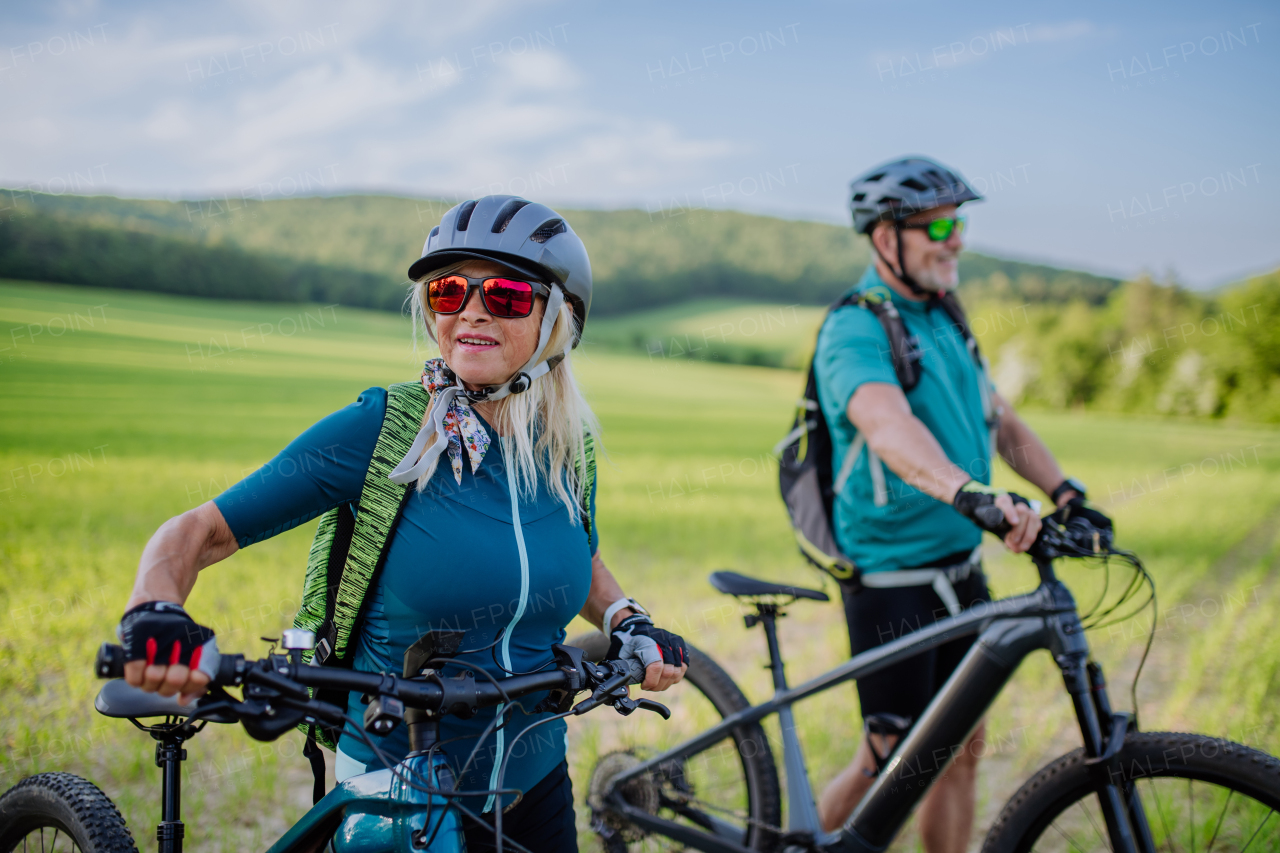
587 473
350 540
349 546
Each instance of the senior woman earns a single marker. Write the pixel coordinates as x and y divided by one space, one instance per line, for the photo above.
503 547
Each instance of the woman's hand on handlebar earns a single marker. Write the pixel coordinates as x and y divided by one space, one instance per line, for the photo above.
166 651
167 680
661 676
665 655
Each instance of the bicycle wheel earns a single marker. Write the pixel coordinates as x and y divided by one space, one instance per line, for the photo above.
58 813
731 788
1198 793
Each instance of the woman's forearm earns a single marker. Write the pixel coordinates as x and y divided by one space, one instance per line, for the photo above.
605 590
177 552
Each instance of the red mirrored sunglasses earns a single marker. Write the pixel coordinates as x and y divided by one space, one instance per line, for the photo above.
503 297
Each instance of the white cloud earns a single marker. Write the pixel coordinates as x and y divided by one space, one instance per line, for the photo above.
171 122
1068 31
189 103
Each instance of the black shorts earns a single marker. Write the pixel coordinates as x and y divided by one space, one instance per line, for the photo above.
877 616
542 821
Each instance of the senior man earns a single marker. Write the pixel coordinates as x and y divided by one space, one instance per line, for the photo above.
917 493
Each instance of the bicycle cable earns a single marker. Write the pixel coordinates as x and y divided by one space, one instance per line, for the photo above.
502 772
1098 617
426 787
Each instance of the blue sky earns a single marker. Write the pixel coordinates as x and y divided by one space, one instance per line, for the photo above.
1111 137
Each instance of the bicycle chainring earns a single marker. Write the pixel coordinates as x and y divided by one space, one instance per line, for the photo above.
641 792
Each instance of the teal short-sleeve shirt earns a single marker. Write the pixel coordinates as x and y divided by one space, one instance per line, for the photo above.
911 528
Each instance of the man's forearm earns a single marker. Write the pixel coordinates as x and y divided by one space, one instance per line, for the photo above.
1026 454
911 452
881 413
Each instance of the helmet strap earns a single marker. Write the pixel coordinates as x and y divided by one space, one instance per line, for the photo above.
901 272
534 367
415 462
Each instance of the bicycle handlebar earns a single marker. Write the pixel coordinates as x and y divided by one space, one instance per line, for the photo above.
1077 538
286 680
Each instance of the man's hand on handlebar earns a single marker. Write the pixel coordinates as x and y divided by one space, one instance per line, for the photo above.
1078 507
1006 514
166 651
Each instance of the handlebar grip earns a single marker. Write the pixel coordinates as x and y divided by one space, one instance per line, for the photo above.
635 671
110 661
993 516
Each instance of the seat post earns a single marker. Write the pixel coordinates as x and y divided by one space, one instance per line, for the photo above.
169 757
768 616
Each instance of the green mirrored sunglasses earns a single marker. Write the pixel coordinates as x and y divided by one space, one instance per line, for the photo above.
939 229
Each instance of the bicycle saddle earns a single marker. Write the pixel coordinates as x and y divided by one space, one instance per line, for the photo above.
119 699
732 583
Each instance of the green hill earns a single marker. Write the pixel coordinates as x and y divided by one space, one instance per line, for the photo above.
355 250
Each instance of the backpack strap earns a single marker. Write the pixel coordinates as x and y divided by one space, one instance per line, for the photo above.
585 468
904 349
990 412
381 502
352 539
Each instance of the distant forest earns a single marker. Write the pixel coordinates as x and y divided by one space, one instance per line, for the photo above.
1073 340
354 250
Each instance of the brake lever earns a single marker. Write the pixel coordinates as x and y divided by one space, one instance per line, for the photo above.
608 690
656 707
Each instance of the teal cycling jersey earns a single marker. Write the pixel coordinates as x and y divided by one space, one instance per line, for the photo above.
452 563
896 526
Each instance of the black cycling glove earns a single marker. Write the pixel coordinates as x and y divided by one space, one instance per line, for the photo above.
977 503
636 637
1078 507
161 632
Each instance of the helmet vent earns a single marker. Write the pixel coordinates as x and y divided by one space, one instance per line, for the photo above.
913 184
932 176
464 215
875 177
859 196
508 212
548 230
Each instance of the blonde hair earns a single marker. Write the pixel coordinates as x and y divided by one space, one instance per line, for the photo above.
543 429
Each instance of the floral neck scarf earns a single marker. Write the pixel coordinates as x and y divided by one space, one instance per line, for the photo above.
461 424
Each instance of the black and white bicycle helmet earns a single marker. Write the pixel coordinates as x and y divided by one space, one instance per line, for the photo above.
530 238
896 190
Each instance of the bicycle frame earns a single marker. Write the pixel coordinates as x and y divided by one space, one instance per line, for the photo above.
370 813
1008 630
378 812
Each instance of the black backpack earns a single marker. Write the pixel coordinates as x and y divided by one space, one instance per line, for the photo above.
808 484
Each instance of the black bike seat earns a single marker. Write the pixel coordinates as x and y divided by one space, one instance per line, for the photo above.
732 583
119 699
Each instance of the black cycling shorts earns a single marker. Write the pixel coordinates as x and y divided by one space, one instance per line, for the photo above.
877 616
542 821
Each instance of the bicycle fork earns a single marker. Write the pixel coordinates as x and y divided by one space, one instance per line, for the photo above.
1103 732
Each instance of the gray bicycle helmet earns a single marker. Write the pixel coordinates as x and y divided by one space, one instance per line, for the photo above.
896 190
530 238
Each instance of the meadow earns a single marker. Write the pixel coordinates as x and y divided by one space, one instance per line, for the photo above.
119 410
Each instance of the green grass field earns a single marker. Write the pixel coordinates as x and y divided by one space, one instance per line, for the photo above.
121 410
